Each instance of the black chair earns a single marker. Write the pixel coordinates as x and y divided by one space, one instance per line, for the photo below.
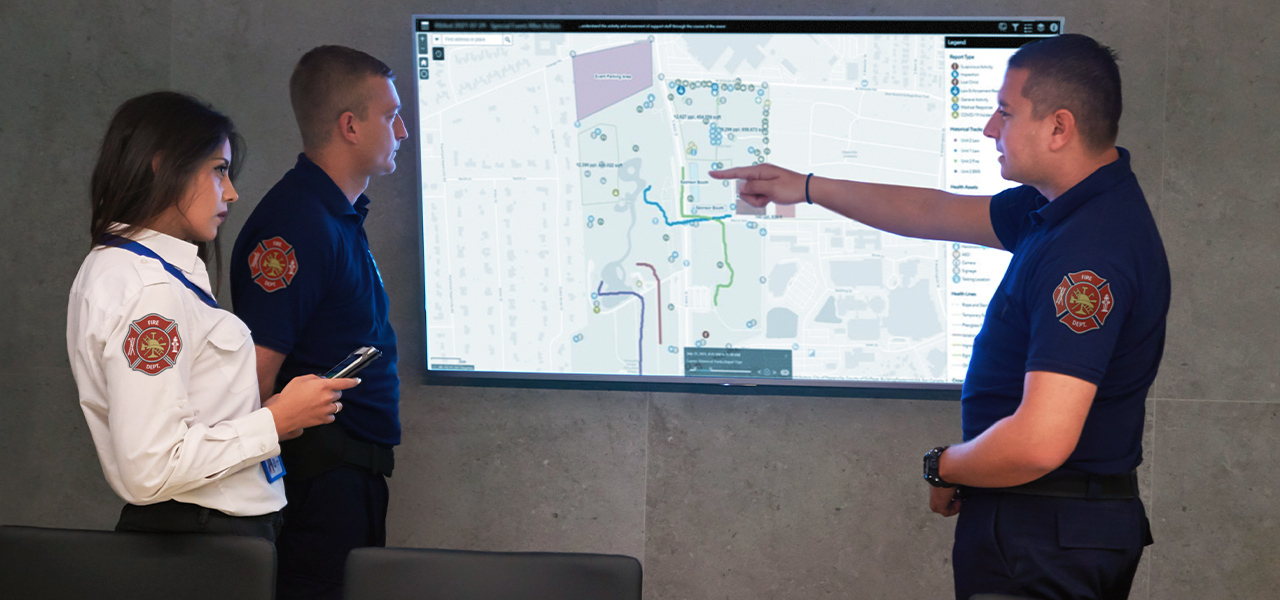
430 574
38 563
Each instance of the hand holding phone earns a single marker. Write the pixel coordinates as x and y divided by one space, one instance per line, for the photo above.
353 363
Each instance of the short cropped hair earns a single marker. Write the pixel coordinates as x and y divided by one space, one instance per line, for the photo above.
1076 73
326 83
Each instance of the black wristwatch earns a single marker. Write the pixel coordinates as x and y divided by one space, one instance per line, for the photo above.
931 459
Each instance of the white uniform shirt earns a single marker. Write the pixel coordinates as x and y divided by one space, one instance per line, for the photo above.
168 384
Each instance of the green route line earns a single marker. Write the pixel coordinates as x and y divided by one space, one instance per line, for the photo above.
724 243
682 213
724 240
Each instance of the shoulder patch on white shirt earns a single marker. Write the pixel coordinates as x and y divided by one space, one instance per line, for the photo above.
152 344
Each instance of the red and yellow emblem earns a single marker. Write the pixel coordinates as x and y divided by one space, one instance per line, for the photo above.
1083 301
272 264
152 344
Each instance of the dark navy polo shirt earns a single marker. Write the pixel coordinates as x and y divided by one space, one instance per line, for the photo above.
304 281
1085 295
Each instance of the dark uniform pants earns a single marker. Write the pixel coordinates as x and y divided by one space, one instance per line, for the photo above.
1048 548
327 517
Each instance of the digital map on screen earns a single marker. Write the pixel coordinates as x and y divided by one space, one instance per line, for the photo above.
570 226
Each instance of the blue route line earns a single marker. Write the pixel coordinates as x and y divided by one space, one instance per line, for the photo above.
640 345
686 221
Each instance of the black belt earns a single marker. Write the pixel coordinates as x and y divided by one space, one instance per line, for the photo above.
1065 484
181 517
326 447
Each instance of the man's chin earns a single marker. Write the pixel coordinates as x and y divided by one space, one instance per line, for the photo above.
1004 173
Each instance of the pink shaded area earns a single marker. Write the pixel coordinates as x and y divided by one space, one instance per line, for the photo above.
785 211
605 77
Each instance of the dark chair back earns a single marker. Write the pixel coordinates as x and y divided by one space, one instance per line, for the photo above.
38 563
429 574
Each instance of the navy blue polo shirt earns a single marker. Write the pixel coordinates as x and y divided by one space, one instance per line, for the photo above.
304 281
1085 295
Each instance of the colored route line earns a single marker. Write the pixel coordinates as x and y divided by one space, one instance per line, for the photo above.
668 221
724 241
641 343
655 278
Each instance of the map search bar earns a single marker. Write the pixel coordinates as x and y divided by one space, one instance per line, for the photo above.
471 39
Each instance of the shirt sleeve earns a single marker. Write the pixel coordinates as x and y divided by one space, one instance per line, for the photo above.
158 447
1078 303
1009 213
279 275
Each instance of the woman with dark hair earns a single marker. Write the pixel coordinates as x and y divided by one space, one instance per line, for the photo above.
167 380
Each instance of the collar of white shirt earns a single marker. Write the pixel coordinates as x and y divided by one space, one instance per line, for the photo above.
179 253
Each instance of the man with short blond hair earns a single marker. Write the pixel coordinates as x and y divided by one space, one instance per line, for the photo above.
304 281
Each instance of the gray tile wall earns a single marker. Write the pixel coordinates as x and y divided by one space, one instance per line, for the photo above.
720 496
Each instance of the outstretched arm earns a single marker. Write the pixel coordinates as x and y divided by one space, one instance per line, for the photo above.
907 211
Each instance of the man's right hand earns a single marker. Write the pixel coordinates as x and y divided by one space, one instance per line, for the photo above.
307 401
944 501
761 184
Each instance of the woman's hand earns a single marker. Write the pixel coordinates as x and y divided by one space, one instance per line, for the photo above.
306 401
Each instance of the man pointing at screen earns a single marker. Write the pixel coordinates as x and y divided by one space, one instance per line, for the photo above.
304 280
1053 405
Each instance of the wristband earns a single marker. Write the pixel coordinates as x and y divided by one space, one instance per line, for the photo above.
806 188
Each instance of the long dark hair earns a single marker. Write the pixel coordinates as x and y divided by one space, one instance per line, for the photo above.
153 146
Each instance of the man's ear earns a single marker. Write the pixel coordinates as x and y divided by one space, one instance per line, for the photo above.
1063 125
347 127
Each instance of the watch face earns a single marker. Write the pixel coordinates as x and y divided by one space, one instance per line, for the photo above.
931 460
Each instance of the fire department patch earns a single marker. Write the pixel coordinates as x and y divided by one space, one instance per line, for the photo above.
152 344
272 264
1083 301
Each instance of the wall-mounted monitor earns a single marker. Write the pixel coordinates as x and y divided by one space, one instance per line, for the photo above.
570 230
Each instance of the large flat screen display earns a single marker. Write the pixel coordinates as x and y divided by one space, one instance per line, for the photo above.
570 230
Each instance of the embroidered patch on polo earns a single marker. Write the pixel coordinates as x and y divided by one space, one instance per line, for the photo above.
1082 301
152 344
273 264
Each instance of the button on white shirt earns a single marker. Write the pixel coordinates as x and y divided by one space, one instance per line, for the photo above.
168 384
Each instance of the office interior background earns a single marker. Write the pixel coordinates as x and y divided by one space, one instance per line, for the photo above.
720 496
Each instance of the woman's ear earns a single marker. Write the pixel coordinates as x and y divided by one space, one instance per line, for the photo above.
155 163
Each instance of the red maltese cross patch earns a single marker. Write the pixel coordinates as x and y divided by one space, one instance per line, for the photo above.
1083 301
152 344
272 264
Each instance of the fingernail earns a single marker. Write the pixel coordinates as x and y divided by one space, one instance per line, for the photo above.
357 381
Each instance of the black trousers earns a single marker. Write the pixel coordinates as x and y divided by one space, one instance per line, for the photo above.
1048 548
179 517
327 517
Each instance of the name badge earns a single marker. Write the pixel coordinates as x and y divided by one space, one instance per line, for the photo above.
274 468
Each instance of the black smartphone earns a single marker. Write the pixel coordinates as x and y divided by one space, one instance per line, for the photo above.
353 363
